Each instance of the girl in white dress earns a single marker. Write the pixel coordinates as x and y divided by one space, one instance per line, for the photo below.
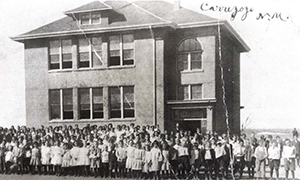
156 159
46 156
84 161
56 157
139 155
74 152
165 168
147 161
130 158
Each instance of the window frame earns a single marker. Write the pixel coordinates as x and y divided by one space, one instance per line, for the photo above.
121 50
189 53
61 104
90 18
190 95
60 54
90 45
91 103
122 101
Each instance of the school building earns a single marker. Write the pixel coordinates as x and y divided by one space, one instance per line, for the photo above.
142 62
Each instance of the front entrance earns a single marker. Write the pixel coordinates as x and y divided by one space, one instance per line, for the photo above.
190 125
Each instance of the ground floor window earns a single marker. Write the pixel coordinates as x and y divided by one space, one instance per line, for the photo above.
121 101
90 103
61 104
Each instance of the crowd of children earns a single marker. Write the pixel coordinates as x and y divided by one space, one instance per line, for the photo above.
142 152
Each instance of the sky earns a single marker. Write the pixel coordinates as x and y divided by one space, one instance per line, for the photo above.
269 72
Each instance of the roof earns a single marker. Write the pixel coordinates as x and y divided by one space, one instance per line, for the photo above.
93 6
123 16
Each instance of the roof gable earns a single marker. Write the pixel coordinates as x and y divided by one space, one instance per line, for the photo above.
93 6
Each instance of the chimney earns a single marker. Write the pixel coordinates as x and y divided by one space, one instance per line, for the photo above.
176 5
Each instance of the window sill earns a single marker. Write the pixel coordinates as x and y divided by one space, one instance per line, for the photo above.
92 120
192 71
191 101
91 69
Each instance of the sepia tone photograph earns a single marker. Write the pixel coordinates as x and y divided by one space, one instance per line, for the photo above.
156 89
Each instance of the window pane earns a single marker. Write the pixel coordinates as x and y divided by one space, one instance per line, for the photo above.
83 45
84 101
128 101
114 42
54 47
182 66
96 18
66 46
54 59
128 41
183 57
183 93
128 54
196 65
115 102
196 56
97 59
67 61
97 43
85 19
97 95
189 45
196 91
68 104
54 99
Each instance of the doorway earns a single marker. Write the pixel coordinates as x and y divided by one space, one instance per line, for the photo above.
190 125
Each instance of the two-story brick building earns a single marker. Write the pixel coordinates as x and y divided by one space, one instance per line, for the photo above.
144 62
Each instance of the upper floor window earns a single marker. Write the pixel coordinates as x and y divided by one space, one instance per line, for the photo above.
90 52
60 54
61 104
189 92
121 50
189 55
90 18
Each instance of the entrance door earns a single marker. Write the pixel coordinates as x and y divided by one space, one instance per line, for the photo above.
190 125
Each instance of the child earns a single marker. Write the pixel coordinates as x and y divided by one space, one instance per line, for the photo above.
165 168
274 159
239 154
183 158
289 155
260 154
112 161
46 155
195 160
94 158
2 156
147 160
56 157
66 159
139 155
74 152
156 158
26 160
209 158
35 159
84 160
249 159
8 159
121 159
105 161
130 158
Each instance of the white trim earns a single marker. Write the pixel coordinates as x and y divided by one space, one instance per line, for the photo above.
205 100
85 11
91 103
61 104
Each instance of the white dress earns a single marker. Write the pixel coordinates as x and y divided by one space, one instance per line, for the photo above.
84 156
147 159
139 155
56 155
46 155
130 157
74 152
156 157
165 165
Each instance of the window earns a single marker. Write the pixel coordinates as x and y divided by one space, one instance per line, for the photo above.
60 54
90 52
90 18
189 55
121 102
189 92
91 103
61 104
121 50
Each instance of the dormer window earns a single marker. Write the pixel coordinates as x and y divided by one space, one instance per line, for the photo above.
90 18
